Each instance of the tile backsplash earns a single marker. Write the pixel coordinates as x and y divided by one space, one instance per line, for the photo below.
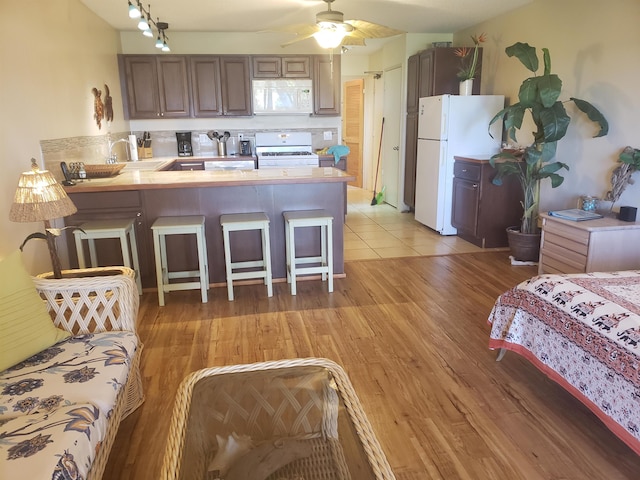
163 142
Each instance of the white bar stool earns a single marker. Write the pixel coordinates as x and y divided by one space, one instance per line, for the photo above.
122 229
189 224
309 218
247 221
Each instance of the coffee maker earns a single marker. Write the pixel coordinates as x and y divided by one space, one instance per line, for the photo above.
184 144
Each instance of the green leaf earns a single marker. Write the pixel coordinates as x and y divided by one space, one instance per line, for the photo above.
547 61
594 115
556 180
532 156
555 122
528 94
513 119
525 53
549 151
554 167
549 87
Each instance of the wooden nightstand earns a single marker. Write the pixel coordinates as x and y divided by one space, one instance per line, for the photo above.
605 244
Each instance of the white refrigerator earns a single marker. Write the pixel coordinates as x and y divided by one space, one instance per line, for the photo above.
450 125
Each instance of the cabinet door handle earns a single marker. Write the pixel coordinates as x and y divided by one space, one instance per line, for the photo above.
396 148
475 185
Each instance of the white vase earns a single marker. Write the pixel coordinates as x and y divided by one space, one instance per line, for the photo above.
466 87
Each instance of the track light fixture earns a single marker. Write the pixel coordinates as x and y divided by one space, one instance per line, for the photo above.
145 24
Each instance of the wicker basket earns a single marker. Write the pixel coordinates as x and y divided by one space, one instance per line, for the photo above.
102 170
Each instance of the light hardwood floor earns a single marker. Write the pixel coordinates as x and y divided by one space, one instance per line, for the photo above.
412 335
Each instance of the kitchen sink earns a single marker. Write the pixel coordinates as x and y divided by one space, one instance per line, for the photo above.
145 164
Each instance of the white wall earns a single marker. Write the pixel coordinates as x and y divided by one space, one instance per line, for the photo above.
53 53
594 50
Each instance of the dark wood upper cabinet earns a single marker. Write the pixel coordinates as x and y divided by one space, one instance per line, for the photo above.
236 85
326 85
206 86
156 87
271 66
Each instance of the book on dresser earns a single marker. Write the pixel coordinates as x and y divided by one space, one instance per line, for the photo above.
575 214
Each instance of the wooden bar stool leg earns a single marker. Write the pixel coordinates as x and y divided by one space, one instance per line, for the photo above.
323 250
160 274
93 256
291 249
203 264
79 249
266 257
136 258
227 262
330 253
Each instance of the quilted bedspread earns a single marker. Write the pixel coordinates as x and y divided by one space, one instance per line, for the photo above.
583 331
55 406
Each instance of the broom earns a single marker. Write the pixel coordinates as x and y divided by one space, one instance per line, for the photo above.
374 200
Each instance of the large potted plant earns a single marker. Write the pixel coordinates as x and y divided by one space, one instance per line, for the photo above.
538 99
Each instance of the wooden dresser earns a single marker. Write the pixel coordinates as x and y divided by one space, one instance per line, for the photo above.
605 244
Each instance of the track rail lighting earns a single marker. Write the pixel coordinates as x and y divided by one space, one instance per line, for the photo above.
145 24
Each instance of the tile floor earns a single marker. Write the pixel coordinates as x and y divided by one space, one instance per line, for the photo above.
381 231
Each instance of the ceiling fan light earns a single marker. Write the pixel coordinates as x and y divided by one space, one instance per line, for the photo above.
329 37
134 12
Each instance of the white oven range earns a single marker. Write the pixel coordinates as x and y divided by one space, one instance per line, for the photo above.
285 149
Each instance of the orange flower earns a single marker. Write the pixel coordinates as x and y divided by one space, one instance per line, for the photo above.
461 52
478 39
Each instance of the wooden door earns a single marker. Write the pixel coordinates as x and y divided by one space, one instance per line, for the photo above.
141 75
410 157
353 127
236 85
205 86
173 86
326 85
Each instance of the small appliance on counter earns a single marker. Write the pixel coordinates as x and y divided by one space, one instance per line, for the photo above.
185 149
245 148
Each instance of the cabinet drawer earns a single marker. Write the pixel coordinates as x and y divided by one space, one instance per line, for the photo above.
551 263
555 241
577 261
567 232
467 171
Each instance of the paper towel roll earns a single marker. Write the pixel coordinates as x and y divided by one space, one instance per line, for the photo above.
133 148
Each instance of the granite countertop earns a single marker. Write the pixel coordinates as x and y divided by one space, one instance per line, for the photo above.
148 174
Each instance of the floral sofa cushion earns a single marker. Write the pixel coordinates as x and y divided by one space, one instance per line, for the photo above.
88 368
60 444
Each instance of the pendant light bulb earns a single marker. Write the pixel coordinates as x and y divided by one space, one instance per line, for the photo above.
134 12
142 24
148 32
165 47
159 42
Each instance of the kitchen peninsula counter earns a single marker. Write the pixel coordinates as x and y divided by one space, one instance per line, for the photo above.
146 194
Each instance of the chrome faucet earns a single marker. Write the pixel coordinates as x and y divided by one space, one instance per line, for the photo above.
113 157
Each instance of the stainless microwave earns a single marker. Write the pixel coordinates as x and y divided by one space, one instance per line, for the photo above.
282 96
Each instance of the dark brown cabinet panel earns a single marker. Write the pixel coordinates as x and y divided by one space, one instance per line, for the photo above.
156 87
482 211
236 85
326 85
281 66
206 86
430 72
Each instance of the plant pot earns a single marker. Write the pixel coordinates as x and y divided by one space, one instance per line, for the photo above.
525 247
466 87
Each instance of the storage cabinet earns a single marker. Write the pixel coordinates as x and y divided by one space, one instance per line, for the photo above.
156 86
430 72
220 85
281 66
605 244
326 85
481 211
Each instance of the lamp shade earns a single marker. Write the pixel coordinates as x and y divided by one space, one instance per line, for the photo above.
330 37
39 197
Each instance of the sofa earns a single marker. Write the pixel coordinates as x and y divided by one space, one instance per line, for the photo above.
69 369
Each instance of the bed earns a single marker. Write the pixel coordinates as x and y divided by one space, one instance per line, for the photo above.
583 331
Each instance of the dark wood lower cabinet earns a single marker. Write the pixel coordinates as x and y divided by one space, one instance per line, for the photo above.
481 211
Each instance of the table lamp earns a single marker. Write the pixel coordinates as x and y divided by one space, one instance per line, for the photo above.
40 197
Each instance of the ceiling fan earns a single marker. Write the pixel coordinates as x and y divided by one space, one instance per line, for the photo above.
331 30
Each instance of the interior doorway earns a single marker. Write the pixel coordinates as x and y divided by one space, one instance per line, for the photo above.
353 127
390 164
